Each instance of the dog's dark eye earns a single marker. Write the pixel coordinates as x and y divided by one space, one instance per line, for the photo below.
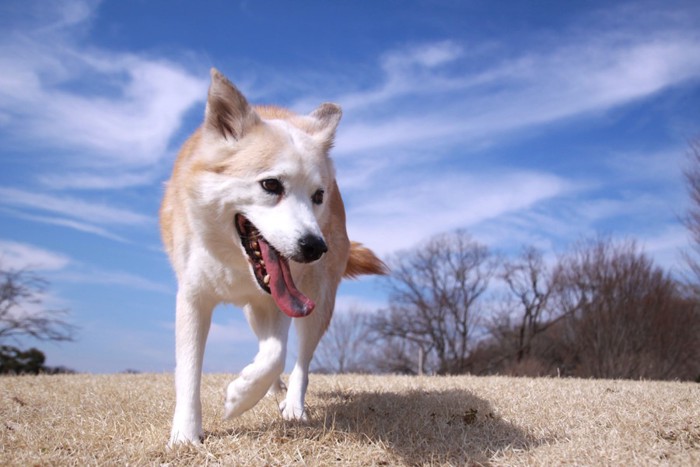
317 197
272 186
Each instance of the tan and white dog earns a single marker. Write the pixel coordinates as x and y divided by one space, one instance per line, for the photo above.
252 216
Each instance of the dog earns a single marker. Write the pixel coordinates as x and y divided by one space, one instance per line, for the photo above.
252 216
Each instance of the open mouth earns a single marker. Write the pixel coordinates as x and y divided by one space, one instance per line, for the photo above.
271 271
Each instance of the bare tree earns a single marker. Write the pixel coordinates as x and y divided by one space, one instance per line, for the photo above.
530 287
395 355
22 312
434 293
692 217
345 347
625 317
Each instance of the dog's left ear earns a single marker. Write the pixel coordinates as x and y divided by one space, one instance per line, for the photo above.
228 113
326 118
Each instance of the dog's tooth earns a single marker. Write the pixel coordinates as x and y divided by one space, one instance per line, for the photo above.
258 253
266 279
254 245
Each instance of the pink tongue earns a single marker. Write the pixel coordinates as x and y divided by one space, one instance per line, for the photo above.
286 295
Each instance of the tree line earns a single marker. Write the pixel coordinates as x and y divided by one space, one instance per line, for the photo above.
602 310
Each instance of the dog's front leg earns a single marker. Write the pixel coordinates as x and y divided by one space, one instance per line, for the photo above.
271 327
309 332
192 322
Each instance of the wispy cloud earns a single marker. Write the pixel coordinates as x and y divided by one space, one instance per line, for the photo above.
93 119
113 115
667 246
398 215
441 103
661 166
540 87
106 112
73 208
130 129
96 181
91 275
71 224
17 255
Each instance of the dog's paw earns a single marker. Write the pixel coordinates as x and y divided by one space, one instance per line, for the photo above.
231 408
293 412
235 401
187 429
180 437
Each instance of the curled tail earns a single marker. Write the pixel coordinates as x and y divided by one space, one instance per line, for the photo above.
363 261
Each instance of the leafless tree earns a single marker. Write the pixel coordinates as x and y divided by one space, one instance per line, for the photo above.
529 283
22 312
345 347
396 355
692 217
625 317
434 293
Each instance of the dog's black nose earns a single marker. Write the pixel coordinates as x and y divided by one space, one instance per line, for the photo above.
312 248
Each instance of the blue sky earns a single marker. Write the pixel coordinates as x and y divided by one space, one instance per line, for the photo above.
524 122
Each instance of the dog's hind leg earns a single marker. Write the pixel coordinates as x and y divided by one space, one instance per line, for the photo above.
309 332
192 322
244 392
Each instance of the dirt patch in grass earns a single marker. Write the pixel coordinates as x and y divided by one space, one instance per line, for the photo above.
356 420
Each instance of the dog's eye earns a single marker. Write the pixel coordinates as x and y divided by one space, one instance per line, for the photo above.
272 186
317 197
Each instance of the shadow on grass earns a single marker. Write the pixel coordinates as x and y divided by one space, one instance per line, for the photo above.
426 427
416 428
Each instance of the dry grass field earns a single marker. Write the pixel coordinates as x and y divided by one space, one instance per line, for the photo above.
357 420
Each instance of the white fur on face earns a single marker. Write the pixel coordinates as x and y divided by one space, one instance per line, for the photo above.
282 220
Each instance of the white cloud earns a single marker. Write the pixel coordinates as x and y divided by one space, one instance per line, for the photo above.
408 72
446 101
398 216
72 208
89 275
95 181
131 129
624 211
123 109
439 93
661 166
16 255
106 111
666 247
424 56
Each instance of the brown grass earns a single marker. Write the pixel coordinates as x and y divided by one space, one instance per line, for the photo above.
357 420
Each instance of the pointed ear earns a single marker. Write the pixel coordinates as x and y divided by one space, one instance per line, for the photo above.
228 113
326 118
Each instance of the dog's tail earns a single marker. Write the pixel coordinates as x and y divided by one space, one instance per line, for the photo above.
363 261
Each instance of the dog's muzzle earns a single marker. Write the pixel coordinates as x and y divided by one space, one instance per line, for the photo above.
271 269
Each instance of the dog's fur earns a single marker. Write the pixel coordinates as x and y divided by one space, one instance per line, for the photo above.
252 200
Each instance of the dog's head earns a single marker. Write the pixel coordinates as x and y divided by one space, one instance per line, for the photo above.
267 177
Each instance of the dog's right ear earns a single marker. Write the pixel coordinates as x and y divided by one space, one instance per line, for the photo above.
228 113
